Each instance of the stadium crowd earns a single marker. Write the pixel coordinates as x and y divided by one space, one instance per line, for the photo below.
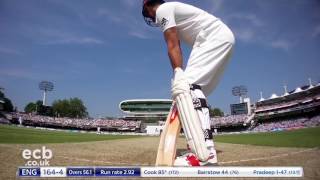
288 124
64 122
229 120
4 121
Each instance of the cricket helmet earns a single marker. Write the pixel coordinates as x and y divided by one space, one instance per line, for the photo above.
151 21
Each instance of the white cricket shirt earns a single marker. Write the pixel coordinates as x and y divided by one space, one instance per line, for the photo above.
188 20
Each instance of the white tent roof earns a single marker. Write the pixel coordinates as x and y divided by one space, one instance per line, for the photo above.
274 95
298 89
285 94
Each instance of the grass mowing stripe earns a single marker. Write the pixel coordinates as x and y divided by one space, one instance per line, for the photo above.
20 135
308 137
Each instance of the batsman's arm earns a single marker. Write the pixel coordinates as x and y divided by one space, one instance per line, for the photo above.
173 45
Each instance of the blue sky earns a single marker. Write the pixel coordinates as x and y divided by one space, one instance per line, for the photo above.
103 52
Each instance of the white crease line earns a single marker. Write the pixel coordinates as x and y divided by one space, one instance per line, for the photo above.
99 161
269 157
226 162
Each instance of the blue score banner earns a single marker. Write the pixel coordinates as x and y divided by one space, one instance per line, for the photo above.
108 171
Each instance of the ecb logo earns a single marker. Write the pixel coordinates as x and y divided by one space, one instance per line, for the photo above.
37 157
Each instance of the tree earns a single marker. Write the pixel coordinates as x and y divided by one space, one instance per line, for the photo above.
39 104
1 94
215 112
60 107
38 108
73 108
30 107
77 108
7 106
33 107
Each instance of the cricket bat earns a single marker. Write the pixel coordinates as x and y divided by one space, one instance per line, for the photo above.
168 140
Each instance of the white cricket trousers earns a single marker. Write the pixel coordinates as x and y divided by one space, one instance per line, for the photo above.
209 56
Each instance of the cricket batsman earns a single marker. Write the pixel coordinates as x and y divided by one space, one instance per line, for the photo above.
212 43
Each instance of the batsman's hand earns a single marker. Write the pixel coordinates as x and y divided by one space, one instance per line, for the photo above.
179 84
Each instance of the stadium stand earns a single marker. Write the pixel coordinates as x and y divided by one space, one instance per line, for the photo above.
301 100
72 123
299 108
232 120
288 124
3 119
231 123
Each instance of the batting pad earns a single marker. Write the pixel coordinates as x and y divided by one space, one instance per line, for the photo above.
192 126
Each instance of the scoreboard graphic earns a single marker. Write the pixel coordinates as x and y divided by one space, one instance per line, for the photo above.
61 172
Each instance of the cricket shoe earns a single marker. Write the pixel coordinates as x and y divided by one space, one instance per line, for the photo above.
212 160
187 160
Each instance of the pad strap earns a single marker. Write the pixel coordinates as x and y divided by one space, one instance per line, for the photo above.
208 134
195 86
199 103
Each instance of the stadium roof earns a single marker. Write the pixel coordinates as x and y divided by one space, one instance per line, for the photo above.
295 92
146 106
273 96
302 88
285 94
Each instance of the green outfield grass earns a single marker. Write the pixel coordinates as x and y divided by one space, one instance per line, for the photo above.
20 135
309 137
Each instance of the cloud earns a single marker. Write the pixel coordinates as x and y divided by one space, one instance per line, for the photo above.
249 28
9 51
139 35
138 29
70 68
113 17
75 40
53 36
247 18
244 34
281 44
134 26
246 26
